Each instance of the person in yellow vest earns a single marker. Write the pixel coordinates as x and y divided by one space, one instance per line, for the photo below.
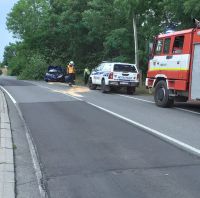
71 72
86 75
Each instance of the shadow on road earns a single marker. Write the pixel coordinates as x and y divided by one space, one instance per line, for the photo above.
193 106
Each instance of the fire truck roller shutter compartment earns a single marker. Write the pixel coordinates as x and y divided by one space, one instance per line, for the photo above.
195 85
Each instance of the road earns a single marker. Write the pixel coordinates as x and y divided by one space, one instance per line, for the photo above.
91 144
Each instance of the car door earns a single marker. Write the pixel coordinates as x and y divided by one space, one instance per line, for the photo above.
99 74
195 88
93 75
154 63
179 60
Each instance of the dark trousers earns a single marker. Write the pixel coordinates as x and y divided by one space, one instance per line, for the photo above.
72 78
86 79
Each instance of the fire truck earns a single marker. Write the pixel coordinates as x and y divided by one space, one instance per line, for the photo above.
174 67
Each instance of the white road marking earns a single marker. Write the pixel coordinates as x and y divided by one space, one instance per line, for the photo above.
13 100
153 131
159 134
38 171
148 129
148 101
31 148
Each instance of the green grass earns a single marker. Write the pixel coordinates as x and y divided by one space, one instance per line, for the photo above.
142 90
14 146
79 79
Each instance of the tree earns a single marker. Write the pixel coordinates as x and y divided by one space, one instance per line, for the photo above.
89 31
191 7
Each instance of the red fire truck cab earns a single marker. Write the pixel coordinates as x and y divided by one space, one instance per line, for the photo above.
174 67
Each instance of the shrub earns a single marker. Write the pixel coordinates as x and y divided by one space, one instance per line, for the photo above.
16 65
1 72
35 69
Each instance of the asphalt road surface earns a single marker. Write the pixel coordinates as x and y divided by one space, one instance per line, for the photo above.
94 145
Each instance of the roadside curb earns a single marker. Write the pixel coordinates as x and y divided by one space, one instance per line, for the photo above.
7 173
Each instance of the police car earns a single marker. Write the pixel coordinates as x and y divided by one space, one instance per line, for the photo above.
114 74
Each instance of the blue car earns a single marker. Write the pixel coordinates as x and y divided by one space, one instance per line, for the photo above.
55 74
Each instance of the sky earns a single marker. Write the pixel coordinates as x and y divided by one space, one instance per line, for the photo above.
5 36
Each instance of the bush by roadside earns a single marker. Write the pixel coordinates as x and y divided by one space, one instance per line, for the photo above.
1 72
142 90
35 69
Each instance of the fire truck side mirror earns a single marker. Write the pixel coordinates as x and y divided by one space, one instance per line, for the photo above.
150 51
151 56
196 22
150 47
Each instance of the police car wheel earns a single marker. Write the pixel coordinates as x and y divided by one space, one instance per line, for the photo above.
130 90
90 85
63 79
104 88
161 95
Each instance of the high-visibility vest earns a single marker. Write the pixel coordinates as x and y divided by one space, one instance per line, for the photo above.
86 71
70 69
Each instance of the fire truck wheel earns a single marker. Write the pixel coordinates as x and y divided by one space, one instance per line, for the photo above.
161 95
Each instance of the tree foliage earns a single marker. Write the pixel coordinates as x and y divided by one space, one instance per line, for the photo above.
88 31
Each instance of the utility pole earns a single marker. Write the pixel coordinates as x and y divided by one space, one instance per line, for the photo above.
136 47
136 42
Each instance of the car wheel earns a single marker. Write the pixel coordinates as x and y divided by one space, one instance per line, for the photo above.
46 80
91 85
161 96
130 90
63 79
104 88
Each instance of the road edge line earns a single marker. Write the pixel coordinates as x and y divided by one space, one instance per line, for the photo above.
138 99
154 132
33 151
151 102
8 183
13 100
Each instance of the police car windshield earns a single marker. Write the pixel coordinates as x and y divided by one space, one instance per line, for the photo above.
124 68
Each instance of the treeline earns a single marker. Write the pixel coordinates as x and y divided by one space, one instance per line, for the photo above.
53 32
